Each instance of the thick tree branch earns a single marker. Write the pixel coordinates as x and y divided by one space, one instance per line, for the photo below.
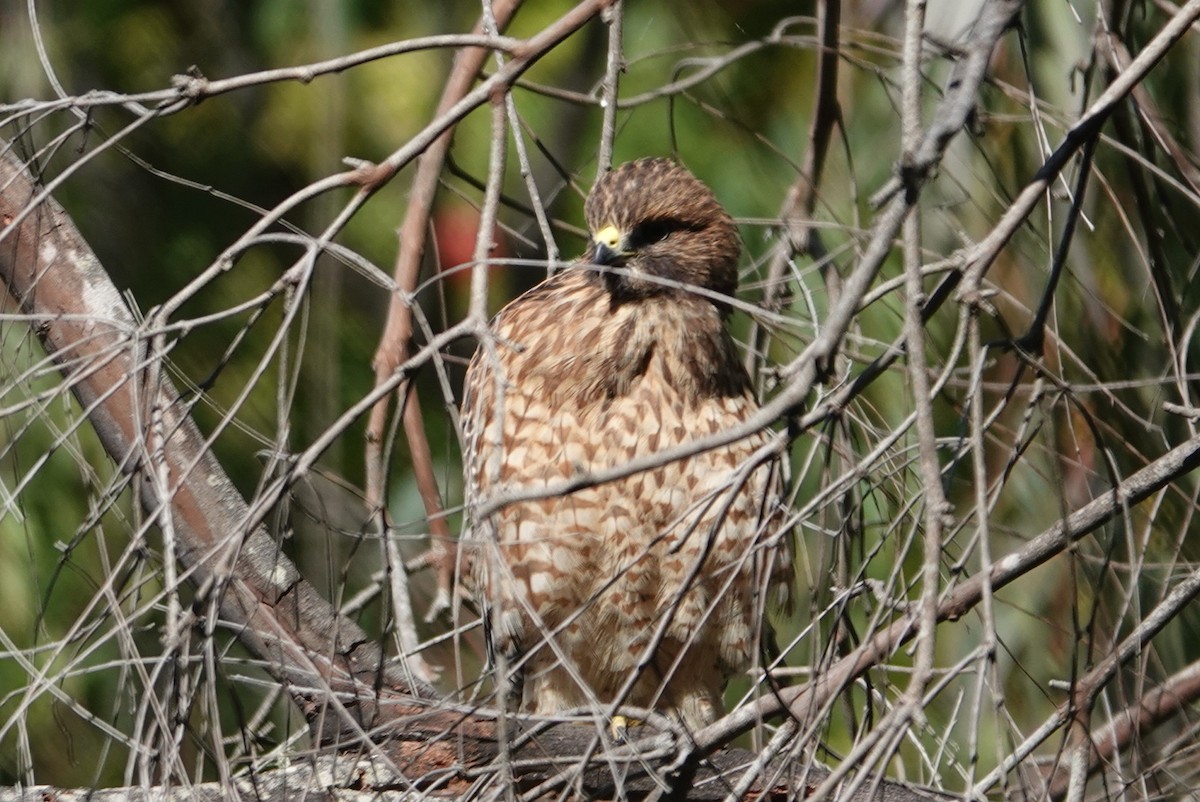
85 326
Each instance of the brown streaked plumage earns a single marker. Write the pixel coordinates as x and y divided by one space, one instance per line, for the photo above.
621 356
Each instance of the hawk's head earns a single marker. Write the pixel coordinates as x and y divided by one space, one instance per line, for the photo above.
663 228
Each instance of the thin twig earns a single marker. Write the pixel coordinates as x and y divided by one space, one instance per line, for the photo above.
614 17
799 206
1086 689
803 700
985 253
394 342
1152 708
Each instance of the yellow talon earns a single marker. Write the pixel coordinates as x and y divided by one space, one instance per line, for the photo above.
619 727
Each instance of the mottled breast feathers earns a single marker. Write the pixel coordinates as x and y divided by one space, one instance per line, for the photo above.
621 356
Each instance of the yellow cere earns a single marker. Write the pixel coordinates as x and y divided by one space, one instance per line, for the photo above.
610 237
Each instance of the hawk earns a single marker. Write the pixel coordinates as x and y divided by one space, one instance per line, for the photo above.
646 590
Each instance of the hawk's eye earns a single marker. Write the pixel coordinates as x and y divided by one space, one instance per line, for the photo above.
652 231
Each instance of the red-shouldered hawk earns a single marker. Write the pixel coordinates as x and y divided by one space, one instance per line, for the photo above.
647 590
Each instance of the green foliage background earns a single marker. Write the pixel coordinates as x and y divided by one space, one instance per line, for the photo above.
159 209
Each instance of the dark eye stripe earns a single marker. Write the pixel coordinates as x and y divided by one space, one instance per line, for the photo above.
652 231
